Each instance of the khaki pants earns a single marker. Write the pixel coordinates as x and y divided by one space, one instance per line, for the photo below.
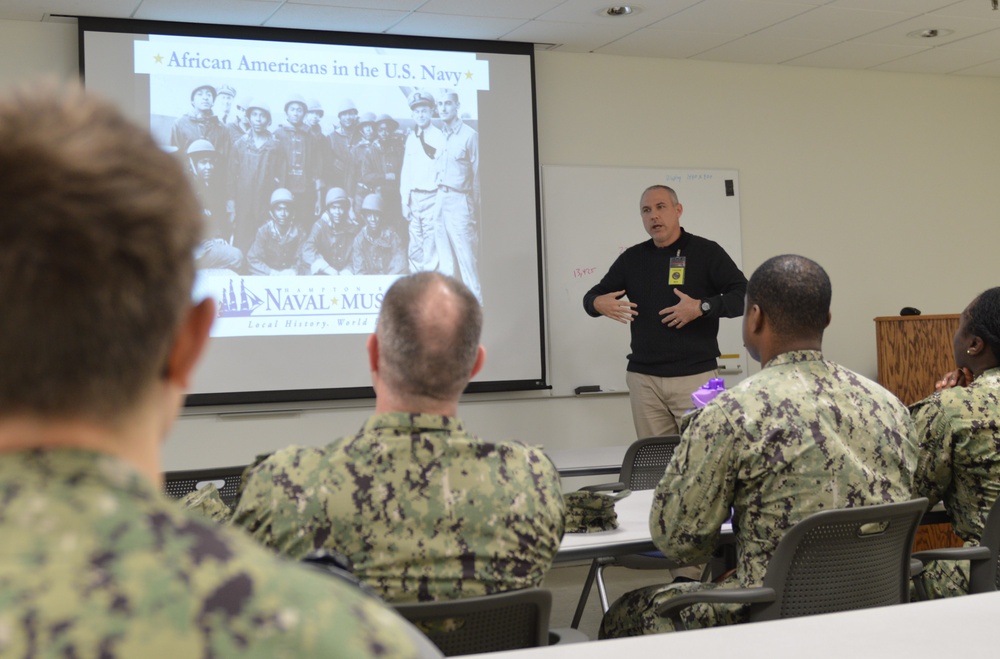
657 406
659 403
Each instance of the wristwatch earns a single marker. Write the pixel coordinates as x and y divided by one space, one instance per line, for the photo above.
706 306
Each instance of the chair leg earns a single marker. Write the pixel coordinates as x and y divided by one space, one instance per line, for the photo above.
602 590
581 605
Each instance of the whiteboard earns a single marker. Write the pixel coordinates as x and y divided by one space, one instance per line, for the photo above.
590 216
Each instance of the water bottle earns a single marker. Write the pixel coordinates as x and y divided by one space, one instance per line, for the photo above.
708 391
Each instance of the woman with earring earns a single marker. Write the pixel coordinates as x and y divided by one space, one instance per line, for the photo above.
958 430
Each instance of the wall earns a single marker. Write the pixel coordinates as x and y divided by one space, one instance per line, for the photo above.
884 178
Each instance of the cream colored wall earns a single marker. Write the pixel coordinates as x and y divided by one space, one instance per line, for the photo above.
29 50
883 178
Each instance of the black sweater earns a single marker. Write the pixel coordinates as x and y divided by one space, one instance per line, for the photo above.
641 271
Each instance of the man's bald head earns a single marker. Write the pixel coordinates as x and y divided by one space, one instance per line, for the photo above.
428 333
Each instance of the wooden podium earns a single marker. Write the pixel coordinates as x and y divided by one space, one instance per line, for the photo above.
913 353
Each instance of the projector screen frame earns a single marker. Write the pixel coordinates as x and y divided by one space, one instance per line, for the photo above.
261 397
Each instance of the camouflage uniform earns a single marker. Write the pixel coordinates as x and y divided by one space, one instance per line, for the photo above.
208 502
958 431
801 436
96 562
420 508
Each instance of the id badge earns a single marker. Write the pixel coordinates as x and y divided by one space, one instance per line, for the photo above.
676 274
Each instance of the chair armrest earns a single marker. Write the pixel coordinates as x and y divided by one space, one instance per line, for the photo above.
604 487
673 608
953 554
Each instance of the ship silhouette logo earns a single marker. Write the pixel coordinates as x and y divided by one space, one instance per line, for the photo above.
236 307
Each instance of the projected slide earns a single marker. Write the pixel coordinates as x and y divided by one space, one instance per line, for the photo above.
299 156
328 166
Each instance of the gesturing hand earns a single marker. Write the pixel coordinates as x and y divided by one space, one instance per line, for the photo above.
614 308
682 313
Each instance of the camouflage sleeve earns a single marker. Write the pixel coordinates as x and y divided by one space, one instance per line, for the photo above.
551 502
692 500
208 503
287 610
934 462
276 504
330 618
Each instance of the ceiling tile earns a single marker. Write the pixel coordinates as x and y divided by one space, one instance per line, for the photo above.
937 60
586 11
23 10
759 49
829 33
834 24
525 9
665 43
105 8
388 5
988 69
571 37
908 6
987 42
235 12
854 55
981 9
455 27
736 17
961 28
340 19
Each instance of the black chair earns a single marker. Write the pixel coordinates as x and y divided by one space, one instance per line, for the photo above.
643 467
178 484
504 621
834 560
984 560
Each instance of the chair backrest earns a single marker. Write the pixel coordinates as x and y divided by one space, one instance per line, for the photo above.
839 560
178 484
984 576
503 621
646 460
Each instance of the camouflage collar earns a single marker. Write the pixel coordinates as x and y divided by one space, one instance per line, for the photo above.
988 378
65 466
413 421
795 357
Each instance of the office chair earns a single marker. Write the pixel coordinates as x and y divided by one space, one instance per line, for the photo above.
490 623
178 484
643 466
984 560
834 560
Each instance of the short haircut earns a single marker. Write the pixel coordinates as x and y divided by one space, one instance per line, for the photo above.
427 345
794 293
673 193
97 228
984 319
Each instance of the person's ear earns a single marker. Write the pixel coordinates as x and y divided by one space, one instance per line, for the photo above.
480 360
189 343
755 319
829 317
373 353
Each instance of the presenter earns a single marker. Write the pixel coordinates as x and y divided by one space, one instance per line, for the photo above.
671 290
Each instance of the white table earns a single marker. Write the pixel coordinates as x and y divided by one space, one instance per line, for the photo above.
942 628
631 536
591 461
